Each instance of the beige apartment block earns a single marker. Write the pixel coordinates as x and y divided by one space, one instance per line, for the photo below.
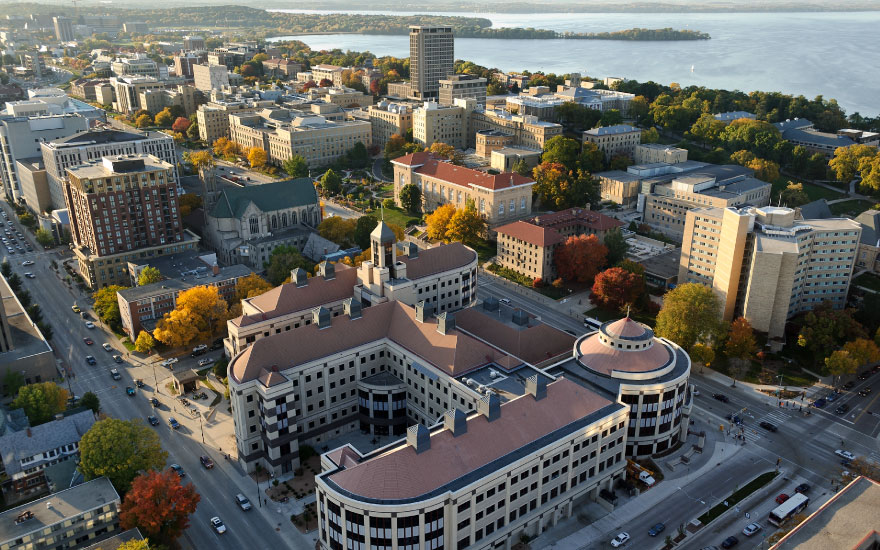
342 96
128 91
210 77
649 153
620 139
400 90
528 131
462 86
433 122
488 141
869 245
283 133
505 159
332 73
431 59
500 198
388 119
213 117
528 249
767 265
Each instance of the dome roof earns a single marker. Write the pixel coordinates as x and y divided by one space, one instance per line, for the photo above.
626 328
383 233
623 346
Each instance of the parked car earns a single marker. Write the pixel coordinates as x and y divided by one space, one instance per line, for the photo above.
843 409
199 350
88 341
735 419
178 469
505 301
129 391
656 530
206 462
154 421
90 325
846 455
216 344
91 360
865 392
720 397
802 488
139 383
30 275
115 374
154 402
107 347
218 526
620 539
117 358
751 529
730 542
781 498
768 426
205 361
174 423
242 502
849 385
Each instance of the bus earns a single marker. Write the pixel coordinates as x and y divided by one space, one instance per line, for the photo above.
790 507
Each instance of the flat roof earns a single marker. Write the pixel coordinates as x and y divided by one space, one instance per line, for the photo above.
64 505
27 340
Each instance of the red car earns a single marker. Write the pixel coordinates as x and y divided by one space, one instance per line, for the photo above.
781 498
88 341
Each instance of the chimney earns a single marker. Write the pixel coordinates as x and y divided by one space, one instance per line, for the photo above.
490 406
352 308
299 277
456 422
215 269
321 317
412 250
418 438
536 385
445 322
327 270
29 433
423 311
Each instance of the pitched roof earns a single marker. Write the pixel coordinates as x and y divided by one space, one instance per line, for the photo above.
817 210
429 165
870 221
268 197
581 216
36 440
288 298
454 353
611 130
532 344
531 233
438 259
401 473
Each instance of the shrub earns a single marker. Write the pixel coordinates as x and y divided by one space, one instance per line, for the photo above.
537 283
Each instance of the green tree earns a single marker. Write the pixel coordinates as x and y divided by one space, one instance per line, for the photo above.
365 225
282 261
841 363
6 269
358 156
411 198
145 342
13 380
690 314
296 167
149 275
120 450
611 117
27 220
740 346
794 195
651 135
620 162
44 237
845 163
702 353
616 245
562 150
41 402
90 401
522 168
331 183
107 307
707 129
193 131
825 329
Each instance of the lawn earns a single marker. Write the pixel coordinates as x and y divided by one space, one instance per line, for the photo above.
486 250
850 208
736 497
605 315
868 280
399 217
816 192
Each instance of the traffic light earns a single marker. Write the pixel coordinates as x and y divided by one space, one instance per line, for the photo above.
721 427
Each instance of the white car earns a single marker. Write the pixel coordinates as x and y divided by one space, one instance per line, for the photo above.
505 301
218 526
90 324
846 455
30 275
27 262
205 361
107 347
620 539
751 529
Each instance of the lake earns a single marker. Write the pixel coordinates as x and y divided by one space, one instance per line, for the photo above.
835 55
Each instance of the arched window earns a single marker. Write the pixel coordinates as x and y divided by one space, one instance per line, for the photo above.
254 224
274 221
284 219
293 218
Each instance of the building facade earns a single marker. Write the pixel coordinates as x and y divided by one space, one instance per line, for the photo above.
620 139
213 117
433 122
63 29
431 59
528 131
210 77
766 265
499 198
649 153
128 90
388 119
462 86
23 348
135 66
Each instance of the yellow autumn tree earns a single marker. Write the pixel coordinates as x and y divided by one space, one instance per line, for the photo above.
200 314
438 222
466 225
257 157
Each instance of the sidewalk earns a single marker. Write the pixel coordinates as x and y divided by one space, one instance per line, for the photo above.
756 388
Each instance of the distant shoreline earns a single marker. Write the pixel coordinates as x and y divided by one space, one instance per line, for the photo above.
515 8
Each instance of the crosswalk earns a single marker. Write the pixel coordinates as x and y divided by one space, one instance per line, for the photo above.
874 457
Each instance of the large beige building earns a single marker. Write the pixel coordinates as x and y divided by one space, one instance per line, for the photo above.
348 98
128 90
528 131
213 117
332 73
500 198
649 153
433 122
462 86
283 133
210 77
620 139
388 119
431 59
767 265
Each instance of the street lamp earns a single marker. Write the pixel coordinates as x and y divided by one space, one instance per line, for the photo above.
202 428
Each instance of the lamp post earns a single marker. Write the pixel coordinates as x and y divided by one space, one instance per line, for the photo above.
202 428
259 498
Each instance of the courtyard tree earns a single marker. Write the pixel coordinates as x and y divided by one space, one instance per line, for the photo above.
845 163
200 314
331 183
466 225
793 195
690 314
411 198
282 261
145 342
615 288
119 450
296 167
149 275
41 401
580 258
438 221
90 401
740 346
257 157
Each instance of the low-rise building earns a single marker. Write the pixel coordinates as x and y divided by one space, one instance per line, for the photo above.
620 139
281 67
25 454
244 225
388 119
399 90
649 153
462 86
34 184
139 65
765 264
488 141
348 98
433 122
499 198
324 71
53 101
73 518
528 130
800 131
506 158
128 90
213 117
23 348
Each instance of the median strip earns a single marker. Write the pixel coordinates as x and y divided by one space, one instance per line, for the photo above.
737 496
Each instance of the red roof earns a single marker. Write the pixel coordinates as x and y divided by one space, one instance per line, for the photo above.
625 328
436 167
581 216
532 234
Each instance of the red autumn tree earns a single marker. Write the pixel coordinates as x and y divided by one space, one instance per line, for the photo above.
580 258
159 505
181 124
616 287
309 85
325 83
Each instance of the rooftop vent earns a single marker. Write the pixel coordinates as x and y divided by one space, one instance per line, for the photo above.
520 318
490 406
418 438
423 311
352 308
490 304
299 277
327 270
445 322
536 385
321 317
456 422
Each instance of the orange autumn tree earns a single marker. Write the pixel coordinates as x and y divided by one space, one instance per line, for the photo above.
580 258
159 505
616 287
